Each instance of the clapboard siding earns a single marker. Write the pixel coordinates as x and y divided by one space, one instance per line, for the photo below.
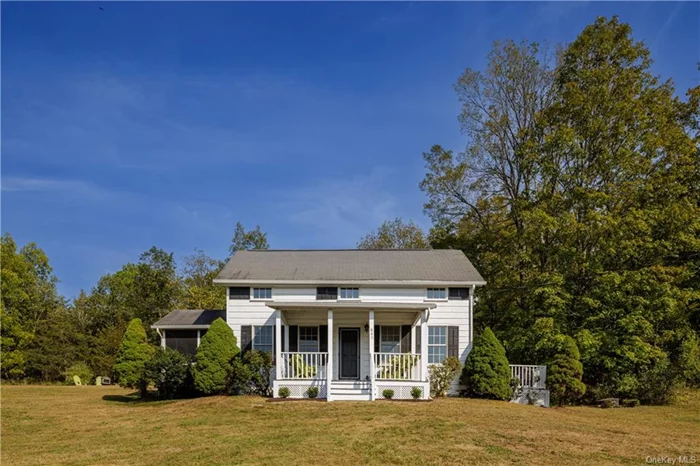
446 313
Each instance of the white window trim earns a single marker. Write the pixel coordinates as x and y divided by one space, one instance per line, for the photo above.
252 293
435 345
340 298
252 339
318 332
436 300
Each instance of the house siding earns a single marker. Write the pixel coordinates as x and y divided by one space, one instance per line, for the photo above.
446 313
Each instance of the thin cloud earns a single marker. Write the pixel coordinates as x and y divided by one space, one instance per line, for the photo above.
76 188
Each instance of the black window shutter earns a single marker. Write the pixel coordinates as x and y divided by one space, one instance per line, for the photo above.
376 338
323 338
405 338
274 343
293 340
239 292
453 341
418 340
283 334
246 337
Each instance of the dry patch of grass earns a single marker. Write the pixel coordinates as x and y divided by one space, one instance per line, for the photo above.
103 425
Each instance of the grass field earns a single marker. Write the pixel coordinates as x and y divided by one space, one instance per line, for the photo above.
102 425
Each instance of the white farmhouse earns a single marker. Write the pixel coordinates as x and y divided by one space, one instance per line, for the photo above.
350 322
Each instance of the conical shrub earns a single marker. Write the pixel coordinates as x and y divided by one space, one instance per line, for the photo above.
486 373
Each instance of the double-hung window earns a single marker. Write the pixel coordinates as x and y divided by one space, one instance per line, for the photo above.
390 339
263 338
262 293
437 293
437 344
308 339
349 293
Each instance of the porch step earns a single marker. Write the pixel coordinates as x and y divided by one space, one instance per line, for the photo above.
351 390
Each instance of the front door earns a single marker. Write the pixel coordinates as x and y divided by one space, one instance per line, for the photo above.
349 353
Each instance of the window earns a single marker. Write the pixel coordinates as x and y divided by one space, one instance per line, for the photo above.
436 293
239 292
390 339
437 344
326 292
263 338
184 341
459 293
349 293
262 293
308 339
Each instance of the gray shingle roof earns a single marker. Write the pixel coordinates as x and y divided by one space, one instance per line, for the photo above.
350 265
190 318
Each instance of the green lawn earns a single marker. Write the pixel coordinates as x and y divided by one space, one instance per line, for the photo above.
101 425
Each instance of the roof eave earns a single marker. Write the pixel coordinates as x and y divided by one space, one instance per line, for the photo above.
179 327
226 281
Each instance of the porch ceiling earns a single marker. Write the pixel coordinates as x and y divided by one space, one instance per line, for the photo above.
360 305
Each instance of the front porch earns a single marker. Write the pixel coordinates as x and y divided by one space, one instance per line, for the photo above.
371 350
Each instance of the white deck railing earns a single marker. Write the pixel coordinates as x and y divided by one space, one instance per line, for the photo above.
298 365
529 376
397 366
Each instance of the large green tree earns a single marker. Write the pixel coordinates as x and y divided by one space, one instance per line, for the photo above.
577 199
395 234
29 297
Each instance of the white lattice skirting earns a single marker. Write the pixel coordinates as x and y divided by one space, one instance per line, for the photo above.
538 397
402 390
298 388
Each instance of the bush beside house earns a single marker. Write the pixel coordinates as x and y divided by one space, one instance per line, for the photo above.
251 374
442 375
213 359
486 373
169 371
133 355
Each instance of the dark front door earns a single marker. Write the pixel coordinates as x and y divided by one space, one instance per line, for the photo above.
349 353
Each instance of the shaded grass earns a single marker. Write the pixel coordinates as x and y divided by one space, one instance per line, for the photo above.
108 425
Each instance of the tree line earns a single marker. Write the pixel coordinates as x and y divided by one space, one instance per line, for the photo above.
577 198
44 334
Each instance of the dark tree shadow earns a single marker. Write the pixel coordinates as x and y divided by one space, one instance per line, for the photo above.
130 398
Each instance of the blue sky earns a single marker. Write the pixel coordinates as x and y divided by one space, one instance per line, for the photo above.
166 123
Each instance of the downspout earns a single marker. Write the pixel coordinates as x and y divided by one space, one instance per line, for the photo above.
472 289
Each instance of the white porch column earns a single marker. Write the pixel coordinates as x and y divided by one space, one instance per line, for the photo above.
329 366
162 340
278 344
424 345
471 315
372 389
199 337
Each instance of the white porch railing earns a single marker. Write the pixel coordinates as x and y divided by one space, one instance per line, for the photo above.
397 366
529 376
297 365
